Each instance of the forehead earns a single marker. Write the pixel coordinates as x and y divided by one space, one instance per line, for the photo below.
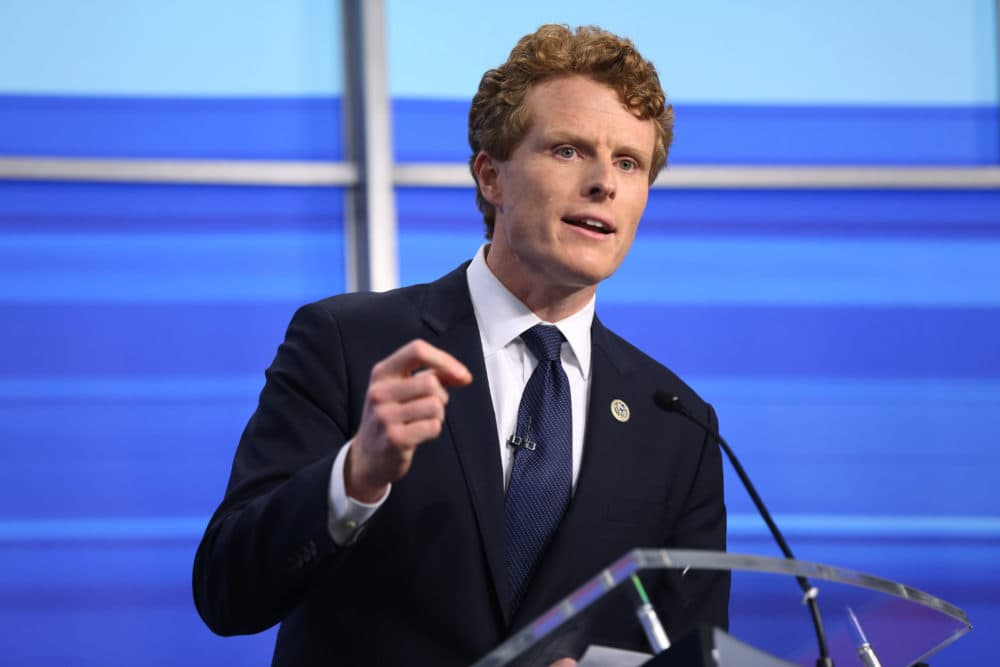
579 104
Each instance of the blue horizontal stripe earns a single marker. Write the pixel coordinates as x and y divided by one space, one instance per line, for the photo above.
785 390
301 128
103 529
771 271
112 529
179 267
168 339
128 389
848 391
879 214
814 272
119 630
862 447
871 526
27 206
177 338
191 266
825 213
837 135
435 130
831 342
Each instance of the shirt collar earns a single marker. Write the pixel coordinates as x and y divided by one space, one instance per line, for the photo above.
502 317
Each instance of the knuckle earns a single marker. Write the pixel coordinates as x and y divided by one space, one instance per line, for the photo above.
433 428
430 407
429 382
383 413
394 434
410 349
379 392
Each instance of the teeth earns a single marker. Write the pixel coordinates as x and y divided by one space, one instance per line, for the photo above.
593 223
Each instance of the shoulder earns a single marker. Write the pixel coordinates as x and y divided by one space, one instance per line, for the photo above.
387 317
370 306
643 369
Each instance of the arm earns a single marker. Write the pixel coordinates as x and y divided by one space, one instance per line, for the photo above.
269 539
269 542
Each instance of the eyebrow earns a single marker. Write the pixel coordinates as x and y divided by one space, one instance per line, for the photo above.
569 137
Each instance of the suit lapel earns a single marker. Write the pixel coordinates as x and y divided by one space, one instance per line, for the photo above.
472 425
470 419
561 566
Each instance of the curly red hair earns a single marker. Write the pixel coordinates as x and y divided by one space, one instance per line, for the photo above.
498 119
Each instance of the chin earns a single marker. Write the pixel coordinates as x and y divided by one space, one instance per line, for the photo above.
593 270
584 276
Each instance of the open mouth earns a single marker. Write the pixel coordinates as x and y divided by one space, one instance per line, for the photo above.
589 224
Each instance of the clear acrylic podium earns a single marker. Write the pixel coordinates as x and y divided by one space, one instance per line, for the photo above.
770 624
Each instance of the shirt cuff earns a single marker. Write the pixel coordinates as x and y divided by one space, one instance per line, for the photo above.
347 516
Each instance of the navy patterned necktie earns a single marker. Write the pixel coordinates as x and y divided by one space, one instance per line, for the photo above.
541 478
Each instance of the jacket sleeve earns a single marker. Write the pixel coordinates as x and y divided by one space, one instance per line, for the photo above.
268 542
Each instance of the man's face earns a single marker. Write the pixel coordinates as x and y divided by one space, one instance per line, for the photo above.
570 196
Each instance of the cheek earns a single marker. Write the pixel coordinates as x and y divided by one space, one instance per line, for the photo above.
529 206
637 204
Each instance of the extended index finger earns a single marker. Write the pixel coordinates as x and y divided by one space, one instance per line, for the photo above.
420 355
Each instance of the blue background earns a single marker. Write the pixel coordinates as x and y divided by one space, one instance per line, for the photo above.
848 338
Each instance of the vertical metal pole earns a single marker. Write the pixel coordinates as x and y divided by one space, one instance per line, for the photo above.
370 232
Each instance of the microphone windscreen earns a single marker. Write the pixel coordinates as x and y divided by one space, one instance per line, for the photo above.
667 401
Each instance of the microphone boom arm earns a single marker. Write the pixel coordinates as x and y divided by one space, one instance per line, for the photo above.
672 403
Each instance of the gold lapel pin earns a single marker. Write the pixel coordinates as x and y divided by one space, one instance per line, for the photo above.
619 410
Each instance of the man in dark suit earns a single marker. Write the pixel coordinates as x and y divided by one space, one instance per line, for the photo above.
430 468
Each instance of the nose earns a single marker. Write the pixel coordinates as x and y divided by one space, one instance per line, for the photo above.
601 180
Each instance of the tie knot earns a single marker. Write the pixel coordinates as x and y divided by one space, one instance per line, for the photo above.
544 341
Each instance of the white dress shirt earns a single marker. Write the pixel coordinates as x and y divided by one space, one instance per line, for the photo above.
509 363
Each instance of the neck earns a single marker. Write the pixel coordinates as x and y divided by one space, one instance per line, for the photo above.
551 303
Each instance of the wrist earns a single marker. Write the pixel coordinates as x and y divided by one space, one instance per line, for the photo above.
357 485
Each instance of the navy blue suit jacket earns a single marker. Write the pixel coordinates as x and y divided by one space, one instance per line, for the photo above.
425 582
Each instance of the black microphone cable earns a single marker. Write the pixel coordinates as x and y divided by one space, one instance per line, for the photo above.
671 403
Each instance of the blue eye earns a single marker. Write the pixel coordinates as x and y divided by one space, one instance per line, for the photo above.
566 151
627 165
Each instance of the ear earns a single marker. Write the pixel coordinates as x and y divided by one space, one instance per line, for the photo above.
488 176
